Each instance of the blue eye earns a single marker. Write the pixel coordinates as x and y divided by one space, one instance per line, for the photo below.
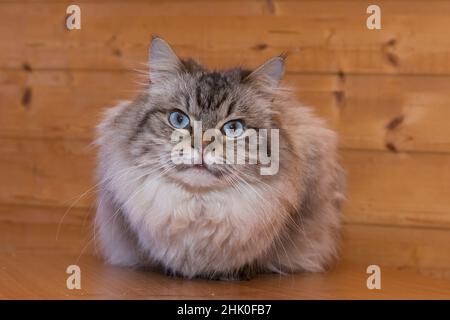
179 120
233 128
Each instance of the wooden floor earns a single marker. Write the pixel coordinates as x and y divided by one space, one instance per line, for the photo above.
34 258
43 276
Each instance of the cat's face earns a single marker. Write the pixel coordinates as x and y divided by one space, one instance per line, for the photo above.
210 114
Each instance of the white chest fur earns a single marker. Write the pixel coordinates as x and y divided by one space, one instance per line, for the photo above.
218 230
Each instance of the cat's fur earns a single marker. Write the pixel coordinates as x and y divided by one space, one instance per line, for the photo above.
210 223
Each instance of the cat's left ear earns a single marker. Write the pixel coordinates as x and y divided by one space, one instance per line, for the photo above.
270 73
163 62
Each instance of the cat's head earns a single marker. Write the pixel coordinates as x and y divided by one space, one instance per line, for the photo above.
184 100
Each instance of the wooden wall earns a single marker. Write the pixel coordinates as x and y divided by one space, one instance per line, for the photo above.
387 93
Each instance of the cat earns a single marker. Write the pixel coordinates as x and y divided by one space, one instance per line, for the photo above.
217 221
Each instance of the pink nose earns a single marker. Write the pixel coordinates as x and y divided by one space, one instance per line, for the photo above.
204 145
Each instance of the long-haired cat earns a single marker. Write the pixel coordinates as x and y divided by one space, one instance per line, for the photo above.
212 220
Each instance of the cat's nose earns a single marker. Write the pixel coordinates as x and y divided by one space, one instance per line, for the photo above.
204 145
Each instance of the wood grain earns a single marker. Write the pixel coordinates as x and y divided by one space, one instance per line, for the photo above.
394 113
369 112
36 274
49 173
397 188
319 36
42 276
50 230
415 248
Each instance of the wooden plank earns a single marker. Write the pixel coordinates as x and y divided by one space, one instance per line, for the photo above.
423 249
398 252
320 36
59 104
28 238
31 214
55 230
387 188
400 189
395 113
48 173
407 113
42 276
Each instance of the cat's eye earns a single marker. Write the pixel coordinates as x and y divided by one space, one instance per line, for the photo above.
179 120
233 128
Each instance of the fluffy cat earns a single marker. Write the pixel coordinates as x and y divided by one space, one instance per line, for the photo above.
218 221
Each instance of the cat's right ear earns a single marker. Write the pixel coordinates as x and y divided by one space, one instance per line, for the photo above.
270 73
164 63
